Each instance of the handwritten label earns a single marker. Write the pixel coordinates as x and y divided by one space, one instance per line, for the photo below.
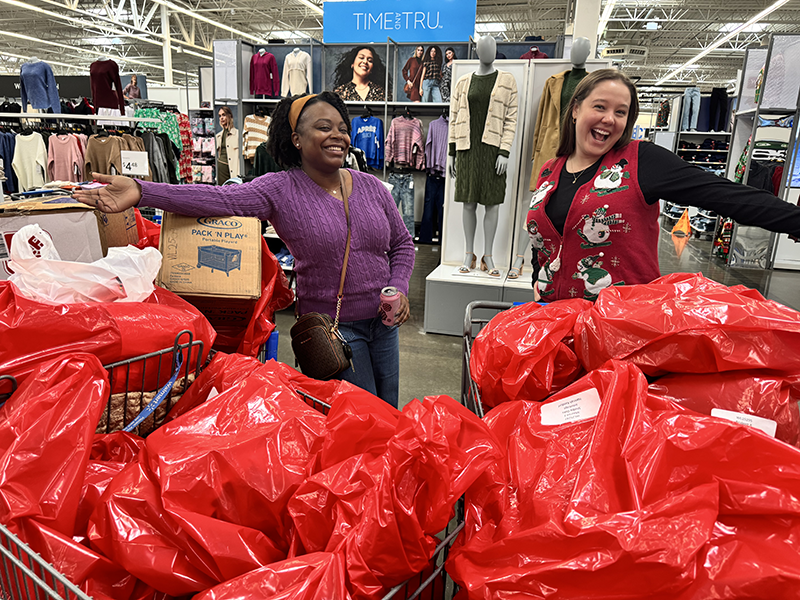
134 163
581 406
768 426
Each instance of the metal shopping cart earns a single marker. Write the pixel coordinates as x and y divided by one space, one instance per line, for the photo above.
24 575
477 315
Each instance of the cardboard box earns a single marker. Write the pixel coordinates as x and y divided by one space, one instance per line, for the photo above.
80 233
216 257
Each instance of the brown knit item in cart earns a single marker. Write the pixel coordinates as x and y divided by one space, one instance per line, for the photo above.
124 408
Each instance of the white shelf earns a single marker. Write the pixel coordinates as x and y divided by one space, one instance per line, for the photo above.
262 101
701 150
706 133
68 117
697 162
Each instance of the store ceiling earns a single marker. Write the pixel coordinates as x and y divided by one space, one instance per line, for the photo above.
71 34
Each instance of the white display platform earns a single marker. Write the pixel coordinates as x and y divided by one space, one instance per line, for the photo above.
447 294
519 290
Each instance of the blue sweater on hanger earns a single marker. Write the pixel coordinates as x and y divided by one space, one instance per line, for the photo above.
38 87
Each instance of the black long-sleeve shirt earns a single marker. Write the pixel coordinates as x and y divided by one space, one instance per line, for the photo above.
664 175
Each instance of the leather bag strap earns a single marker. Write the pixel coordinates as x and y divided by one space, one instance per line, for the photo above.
345 199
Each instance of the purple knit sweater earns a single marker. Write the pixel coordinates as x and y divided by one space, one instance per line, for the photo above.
312 224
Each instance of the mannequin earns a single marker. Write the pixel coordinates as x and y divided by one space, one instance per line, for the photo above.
556 95
501 97
691 105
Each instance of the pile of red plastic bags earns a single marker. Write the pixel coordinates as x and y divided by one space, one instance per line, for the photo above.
663 463
247 491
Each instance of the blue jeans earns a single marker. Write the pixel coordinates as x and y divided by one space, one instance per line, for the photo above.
691 108
376 357
434 209
430 91
403 194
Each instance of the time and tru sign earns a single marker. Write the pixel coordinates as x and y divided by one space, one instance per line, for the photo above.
409 21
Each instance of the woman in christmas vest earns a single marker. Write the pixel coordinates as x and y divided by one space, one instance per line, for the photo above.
593 219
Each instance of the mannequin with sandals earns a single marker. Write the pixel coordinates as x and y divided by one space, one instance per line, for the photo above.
482 125
556 96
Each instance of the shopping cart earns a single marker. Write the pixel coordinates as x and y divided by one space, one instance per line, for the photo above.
24 575
477 315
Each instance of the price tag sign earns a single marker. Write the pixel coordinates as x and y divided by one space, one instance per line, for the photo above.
134 163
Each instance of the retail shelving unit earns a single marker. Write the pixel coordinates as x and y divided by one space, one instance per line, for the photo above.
750 246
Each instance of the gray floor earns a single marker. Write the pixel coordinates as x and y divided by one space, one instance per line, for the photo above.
430 364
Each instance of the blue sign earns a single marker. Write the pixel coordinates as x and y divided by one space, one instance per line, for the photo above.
411 21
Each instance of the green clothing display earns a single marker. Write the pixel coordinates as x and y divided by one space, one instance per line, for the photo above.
168 123
477 181
223 173
571 81
264 162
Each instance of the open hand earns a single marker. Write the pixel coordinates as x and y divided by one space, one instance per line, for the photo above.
119 195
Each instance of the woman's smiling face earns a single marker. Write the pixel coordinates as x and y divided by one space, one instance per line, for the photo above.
362 65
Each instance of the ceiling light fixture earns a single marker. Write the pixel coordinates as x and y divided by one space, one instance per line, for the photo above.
601 26
312 6
722 40
87 24
199 17
94 52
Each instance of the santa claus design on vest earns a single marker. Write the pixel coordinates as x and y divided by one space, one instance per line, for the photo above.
541 193
595 279
610 179
597 227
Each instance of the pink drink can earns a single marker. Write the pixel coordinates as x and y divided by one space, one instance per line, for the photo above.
390 303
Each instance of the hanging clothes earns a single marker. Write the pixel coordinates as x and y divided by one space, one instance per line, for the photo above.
264 74
30 161
436 146
185 161
296 73
64 159
168 124
662 118
8 142
37 86
405 144
103 155
106 86
158 161
264 163
255 133
367 135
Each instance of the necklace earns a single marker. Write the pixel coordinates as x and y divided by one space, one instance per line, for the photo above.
575 176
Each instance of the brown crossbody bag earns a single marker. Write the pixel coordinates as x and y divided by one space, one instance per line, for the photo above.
318 346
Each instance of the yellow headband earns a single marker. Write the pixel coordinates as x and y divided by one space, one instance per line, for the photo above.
297 108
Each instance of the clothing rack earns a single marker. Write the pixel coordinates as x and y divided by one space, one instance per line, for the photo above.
68 117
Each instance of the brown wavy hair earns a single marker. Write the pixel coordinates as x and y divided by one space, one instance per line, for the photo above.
566 145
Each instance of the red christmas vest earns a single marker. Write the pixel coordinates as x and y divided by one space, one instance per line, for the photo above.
610 235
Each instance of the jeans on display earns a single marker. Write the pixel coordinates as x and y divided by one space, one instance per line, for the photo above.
434 209
430 91
403 194
376 357
691 108
718 110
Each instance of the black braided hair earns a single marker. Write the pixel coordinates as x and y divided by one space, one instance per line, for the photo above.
280 145
343 73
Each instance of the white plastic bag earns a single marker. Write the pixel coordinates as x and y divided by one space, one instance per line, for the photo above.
126 274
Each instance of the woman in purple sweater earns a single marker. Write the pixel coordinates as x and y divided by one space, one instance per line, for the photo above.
309 136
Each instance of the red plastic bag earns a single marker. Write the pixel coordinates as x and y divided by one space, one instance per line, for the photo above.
316 576
382 511
640 503
34 332
223 372
685 323
46 433
207 501
149 232
93 573
525 353
745 392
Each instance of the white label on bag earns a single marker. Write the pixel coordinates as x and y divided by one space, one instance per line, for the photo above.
581 406
212 393
134 163
768 426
